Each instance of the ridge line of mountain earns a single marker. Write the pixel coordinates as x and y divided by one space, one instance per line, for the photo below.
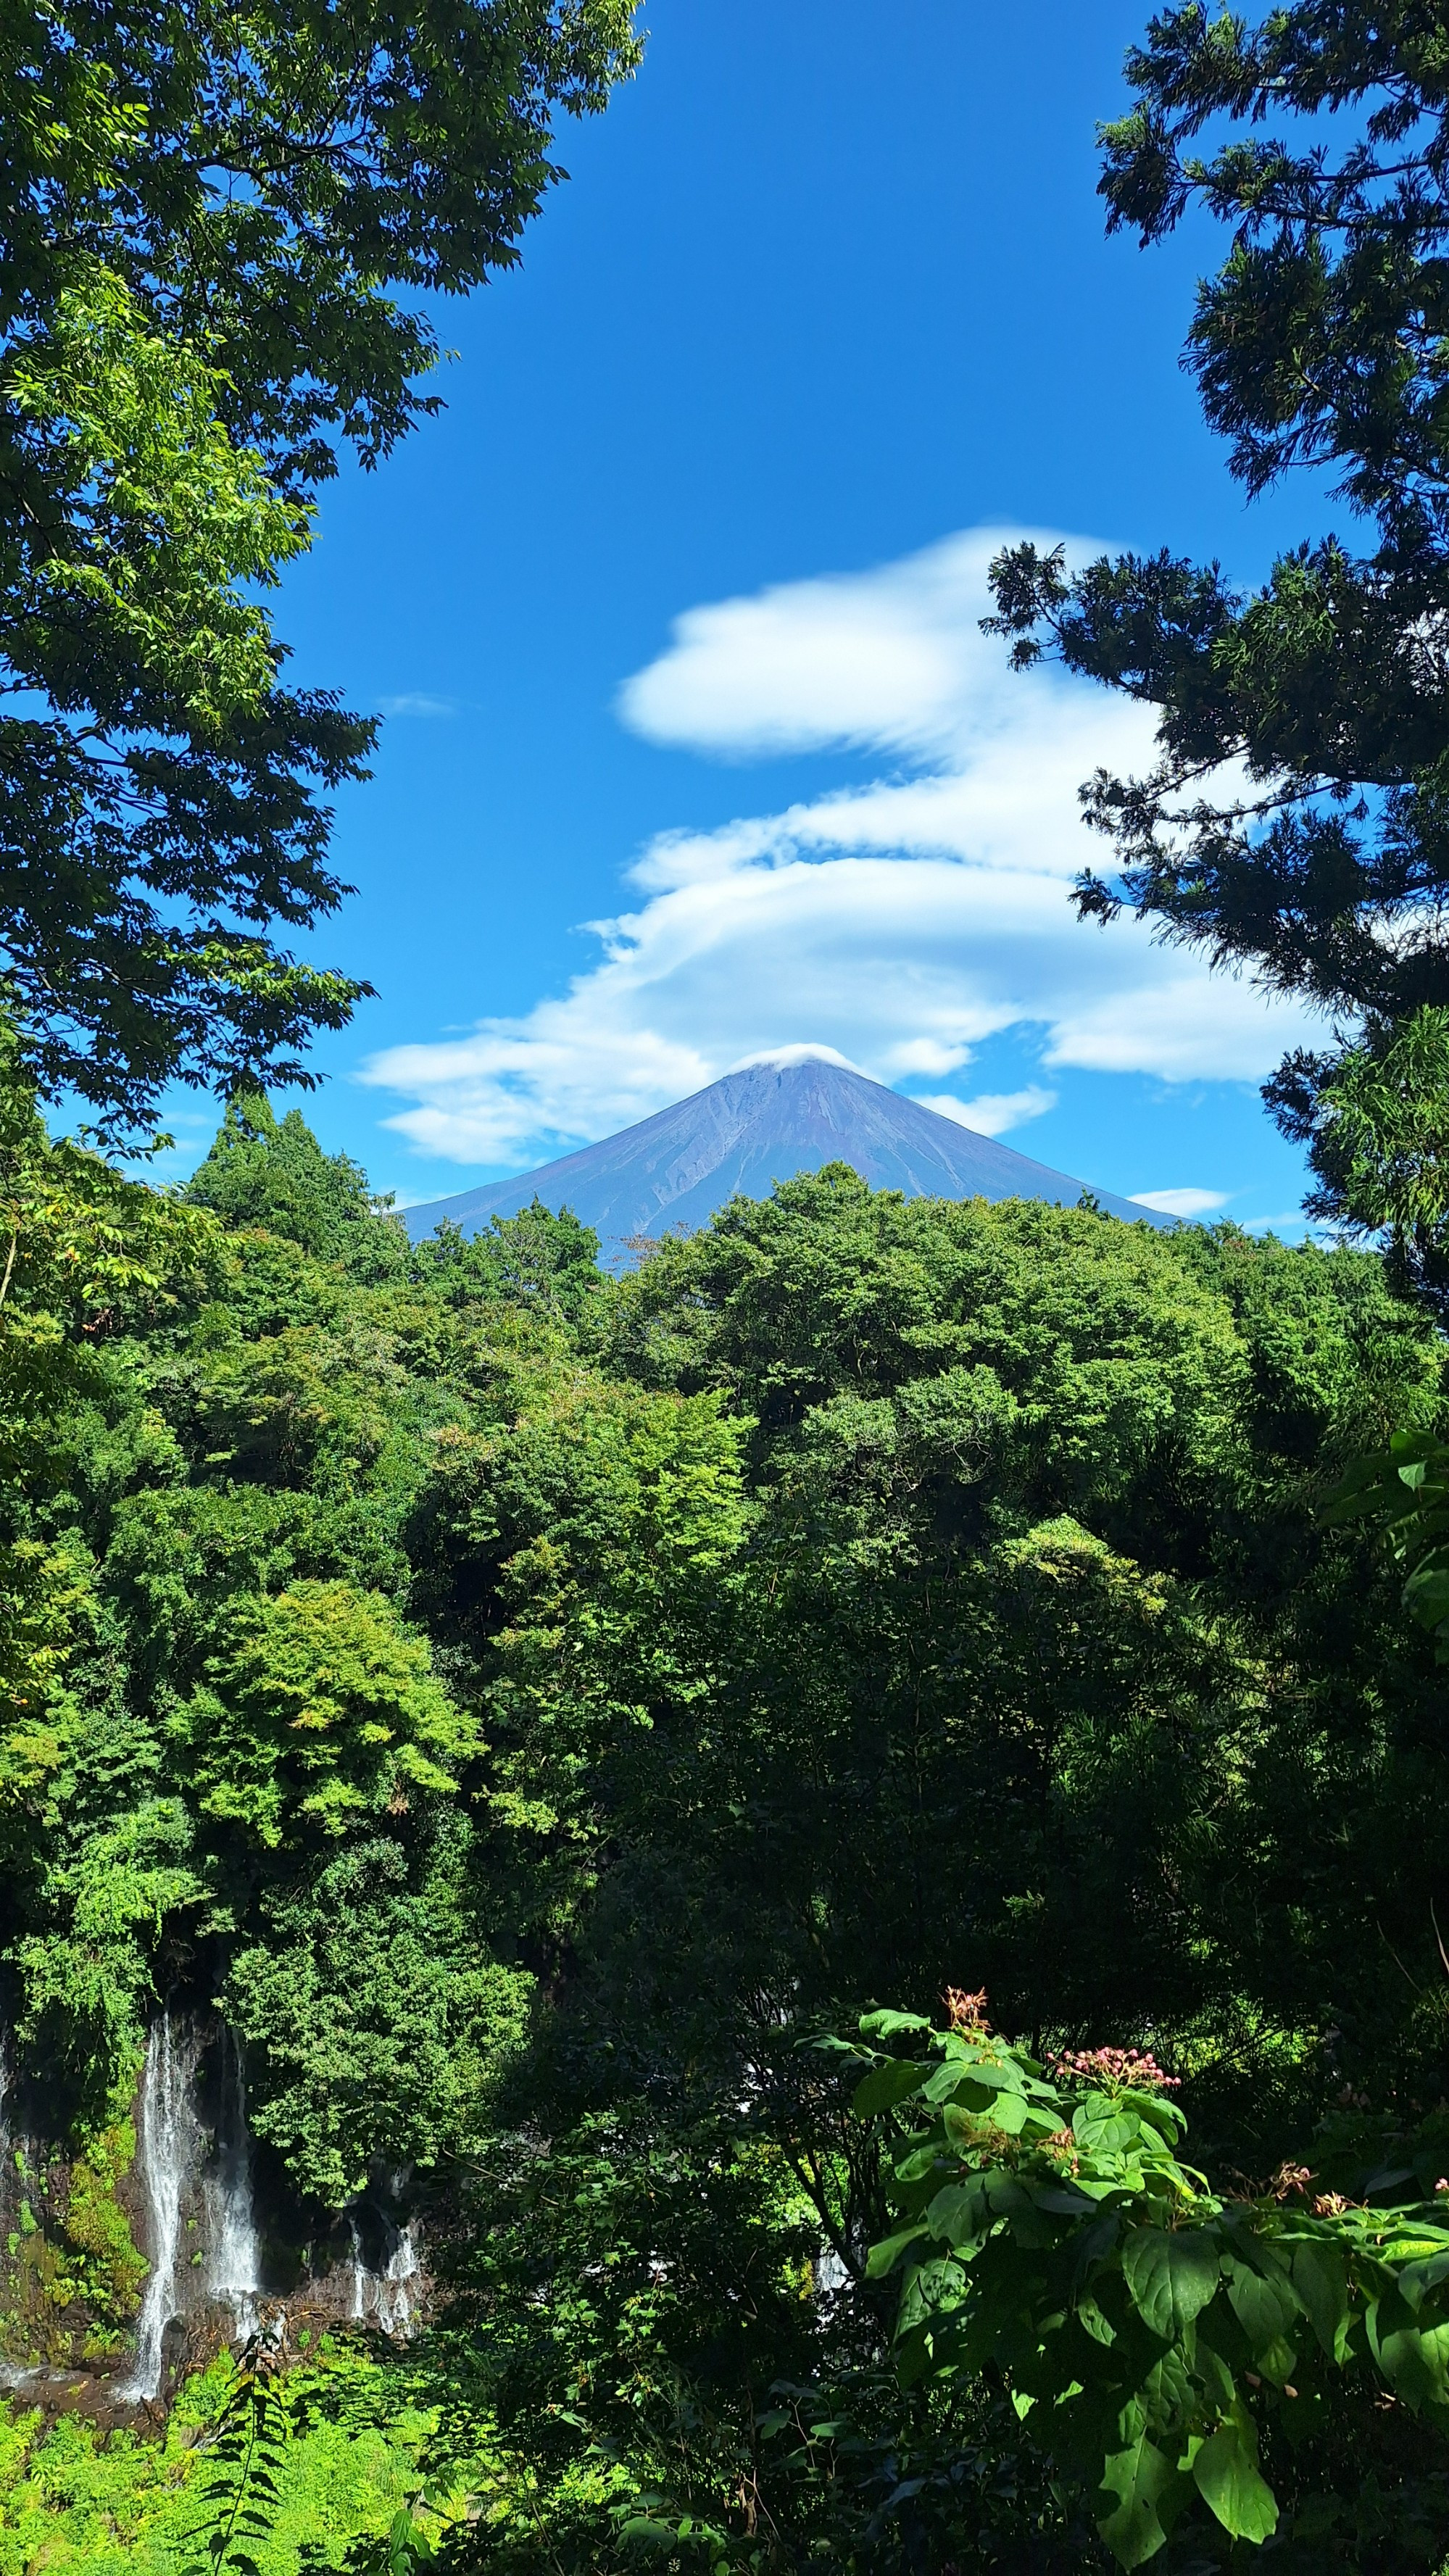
761 1124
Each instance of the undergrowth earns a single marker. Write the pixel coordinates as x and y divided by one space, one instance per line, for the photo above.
76 2498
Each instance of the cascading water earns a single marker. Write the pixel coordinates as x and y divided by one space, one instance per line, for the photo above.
360 2273
389 2297
167 2153
235 2267
397 2289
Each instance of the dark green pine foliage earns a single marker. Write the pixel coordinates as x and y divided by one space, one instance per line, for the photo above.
1319 136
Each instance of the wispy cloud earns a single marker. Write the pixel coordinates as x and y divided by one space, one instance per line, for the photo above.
415 702
899 923
991 1113
1181 1202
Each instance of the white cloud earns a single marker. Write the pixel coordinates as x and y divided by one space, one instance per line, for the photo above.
991 1113
415 702
1180 1202
899 923
806 1053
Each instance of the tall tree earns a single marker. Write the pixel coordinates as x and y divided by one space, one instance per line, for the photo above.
207 208
1296 824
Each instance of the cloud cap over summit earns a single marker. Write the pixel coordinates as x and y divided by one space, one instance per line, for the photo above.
764 1123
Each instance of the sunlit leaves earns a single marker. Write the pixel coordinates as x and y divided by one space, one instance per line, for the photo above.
1143 2321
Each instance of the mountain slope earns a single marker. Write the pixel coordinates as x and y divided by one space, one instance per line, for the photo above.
748 1131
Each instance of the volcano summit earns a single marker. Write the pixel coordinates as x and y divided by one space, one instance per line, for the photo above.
783 1115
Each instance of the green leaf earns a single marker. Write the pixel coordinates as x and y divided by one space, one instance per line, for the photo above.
1320 2277
1170 2275
1227 2477
1417 2280
885 2086
889 2025
1414 2359
1091 2318
1266 2309
958 2213
1101 2133
1139 2479
884 2257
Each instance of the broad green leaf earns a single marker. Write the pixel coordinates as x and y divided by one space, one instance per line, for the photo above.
883 2258
1214 2375
889 2025
1171 2275
1065 2201
1101 2132
1007 2078
1266 2309
1417 2279
885 2086
1167 2391
957 2212
1138 2480
1320 2277
1093 2322
1413 2358
1227 2477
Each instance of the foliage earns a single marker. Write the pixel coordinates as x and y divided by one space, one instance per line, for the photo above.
1051 2231
1404 1491
1316 134
348 2431
273 1175
205 232
524 1702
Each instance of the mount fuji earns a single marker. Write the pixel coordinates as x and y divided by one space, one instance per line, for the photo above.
781 1115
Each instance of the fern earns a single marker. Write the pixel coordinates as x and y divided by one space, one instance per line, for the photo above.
243 2495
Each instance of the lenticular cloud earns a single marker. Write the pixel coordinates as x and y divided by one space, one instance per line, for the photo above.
897 923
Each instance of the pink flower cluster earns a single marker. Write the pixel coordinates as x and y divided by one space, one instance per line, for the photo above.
1113 2070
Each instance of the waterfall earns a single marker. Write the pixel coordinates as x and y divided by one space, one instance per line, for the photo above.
166 2158
360 2273
396 2293
389 2297
235 2272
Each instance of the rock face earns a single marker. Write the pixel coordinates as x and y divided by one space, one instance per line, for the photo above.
748 1131
129 2258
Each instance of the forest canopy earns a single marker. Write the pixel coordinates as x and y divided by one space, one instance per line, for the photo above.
528 1704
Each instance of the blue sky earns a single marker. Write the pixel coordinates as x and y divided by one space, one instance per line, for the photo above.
672 616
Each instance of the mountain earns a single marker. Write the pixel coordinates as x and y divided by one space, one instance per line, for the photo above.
756 1127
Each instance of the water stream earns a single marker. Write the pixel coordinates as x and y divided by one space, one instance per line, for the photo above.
360 2273
235 2265
168 2151
397 2291
389 2297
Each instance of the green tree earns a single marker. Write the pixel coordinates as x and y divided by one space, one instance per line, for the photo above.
1320 867
273 1174
208 213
